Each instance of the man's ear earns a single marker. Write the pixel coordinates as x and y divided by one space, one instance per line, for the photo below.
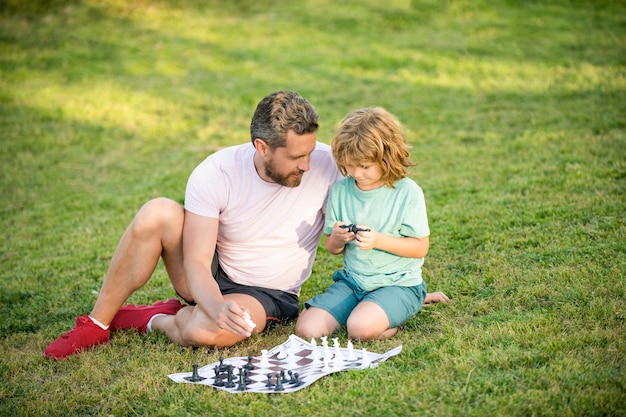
261 146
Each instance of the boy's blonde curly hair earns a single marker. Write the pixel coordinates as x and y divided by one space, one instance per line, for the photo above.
373 134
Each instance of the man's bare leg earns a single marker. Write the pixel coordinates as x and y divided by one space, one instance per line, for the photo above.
155 232
192 327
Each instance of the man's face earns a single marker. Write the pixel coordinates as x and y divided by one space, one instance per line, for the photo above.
286 165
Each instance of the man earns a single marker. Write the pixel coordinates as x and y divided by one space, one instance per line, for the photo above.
249 228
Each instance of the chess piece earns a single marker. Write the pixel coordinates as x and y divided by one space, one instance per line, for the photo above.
316 356
279 383
242 384
338 360
249 365
293 344
291 359
230 383
281 353
351 355
264 362
194 375
326 367
222 365
327 355
218 380
269 383
248 320
296 380
365 362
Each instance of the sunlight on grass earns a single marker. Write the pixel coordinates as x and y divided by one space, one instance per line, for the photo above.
515 113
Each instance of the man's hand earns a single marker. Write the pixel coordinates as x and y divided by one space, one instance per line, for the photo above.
234 319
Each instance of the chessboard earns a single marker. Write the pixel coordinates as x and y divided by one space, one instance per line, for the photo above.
288 367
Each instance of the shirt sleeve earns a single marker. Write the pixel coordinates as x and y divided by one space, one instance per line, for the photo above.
206 190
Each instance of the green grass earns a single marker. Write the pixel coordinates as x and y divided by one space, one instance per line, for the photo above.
516 113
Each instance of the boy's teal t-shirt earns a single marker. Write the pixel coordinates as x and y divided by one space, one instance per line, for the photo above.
399 211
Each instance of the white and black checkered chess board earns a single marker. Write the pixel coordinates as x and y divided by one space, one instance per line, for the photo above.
288 367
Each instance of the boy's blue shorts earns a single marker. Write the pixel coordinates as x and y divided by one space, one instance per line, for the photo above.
399 303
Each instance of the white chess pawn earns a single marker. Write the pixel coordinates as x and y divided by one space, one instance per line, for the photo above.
316 356
365 362
351 355
281 353
326 367
338 359
293 343
264 362
327 355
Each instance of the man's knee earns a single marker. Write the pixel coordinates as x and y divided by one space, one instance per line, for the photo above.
159 215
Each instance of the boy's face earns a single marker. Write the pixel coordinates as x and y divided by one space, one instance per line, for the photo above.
286 165
367 175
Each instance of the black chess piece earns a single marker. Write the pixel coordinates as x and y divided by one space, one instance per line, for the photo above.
222 365
352 228
230 383
279 382
296 380
218 380
242 384
249 365
269 383
194 375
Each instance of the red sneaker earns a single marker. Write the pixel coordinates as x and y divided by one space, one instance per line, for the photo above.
137 317
84 335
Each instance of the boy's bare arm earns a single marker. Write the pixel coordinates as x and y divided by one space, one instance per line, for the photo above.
408 247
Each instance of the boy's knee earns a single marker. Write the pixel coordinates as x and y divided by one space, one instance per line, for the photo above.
302 330
362 331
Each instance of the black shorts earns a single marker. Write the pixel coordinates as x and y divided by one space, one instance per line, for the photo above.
280 306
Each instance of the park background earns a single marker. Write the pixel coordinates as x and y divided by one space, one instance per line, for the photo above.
516 116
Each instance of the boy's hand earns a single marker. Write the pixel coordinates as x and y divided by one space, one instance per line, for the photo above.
342 234
365 238
435 297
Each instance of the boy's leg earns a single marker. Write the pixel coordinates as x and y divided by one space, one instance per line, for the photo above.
369 321
383 310
328 311
315 322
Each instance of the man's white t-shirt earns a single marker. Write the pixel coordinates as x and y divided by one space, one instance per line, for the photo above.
268 233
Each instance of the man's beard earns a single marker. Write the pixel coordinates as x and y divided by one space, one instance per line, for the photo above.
284 180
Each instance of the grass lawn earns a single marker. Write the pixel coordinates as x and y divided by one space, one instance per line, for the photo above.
516 112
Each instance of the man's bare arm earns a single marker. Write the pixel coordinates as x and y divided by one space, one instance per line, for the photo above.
199 243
